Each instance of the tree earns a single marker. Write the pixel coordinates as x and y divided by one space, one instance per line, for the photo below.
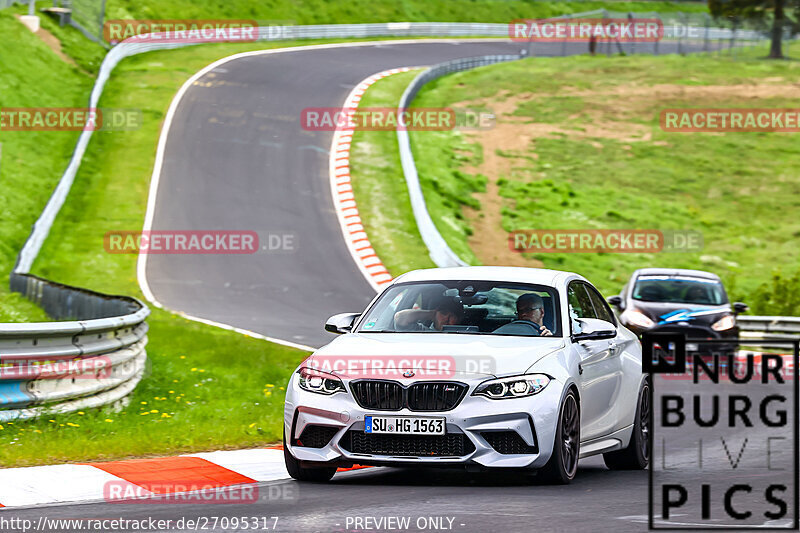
760 10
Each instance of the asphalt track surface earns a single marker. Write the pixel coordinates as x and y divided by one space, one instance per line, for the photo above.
237 159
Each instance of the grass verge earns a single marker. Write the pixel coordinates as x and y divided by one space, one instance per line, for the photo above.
32 162
358 11
578 145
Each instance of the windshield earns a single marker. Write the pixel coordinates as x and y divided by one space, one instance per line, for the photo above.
466 307
679 289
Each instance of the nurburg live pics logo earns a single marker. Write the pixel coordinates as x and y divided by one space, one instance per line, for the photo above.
724 444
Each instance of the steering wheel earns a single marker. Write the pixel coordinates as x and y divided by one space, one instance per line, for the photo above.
527 327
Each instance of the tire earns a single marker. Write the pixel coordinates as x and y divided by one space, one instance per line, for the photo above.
320 474
563 463
637 455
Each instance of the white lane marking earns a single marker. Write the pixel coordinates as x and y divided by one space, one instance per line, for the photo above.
38 485
259 464
141 264
644 519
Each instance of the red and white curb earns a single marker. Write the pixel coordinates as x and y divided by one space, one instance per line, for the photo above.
342 191
147 480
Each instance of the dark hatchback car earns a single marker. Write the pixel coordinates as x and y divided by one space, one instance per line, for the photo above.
682 301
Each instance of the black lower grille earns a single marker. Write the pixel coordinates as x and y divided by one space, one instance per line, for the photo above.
449 445
392 396
316 436
508 442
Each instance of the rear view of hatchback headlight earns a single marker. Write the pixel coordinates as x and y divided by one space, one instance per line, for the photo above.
513 387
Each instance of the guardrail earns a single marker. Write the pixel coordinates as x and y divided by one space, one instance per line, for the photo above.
439 251
58 367
769 327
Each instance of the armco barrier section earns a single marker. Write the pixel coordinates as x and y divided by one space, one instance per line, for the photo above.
769 327
439 251
56 367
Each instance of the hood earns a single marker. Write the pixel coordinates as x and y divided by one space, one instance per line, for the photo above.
431 355
682 313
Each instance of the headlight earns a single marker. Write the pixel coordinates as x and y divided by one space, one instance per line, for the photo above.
320 382
513 387
637 318
724 323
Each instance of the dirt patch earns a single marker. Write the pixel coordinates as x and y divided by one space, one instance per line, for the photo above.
606 116
54 44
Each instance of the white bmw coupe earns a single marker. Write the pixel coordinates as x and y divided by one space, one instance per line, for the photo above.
473 367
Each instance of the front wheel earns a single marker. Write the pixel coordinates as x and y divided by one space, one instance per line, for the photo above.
300 473
563 463
637 455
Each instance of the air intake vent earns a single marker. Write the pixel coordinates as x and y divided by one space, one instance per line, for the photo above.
508 442
316 436
449 445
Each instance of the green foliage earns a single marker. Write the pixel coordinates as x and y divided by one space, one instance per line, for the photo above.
780 296
356 11
31 75
738 189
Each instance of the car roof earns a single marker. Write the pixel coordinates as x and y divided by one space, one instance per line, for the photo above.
539 276
674 272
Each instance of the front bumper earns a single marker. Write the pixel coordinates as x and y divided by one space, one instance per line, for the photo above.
697 332
476 418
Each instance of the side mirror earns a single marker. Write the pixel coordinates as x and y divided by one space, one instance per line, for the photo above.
739 307
615 301
341 323
593 329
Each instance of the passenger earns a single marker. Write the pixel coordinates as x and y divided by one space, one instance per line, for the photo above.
445 311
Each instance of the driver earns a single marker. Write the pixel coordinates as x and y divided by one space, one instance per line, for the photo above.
696 294
445 311
530 309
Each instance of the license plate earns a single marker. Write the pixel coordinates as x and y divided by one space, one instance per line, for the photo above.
404 425
691 347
